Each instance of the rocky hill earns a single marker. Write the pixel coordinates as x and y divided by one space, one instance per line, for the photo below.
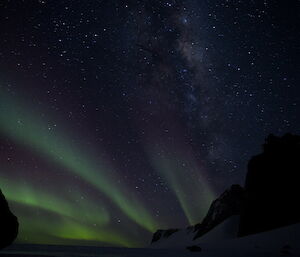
268 200
227 205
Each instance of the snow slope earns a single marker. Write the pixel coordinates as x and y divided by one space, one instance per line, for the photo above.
278 242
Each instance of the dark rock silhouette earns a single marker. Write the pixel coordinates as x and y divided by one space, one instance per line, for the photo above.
225 206
8 223
272 186
163 234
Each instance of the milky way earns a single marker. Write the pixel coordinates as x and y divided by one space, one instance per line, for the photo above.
118 118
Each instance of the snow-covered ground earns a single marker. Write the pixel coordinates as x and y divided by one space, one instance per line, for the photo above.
221 241
217 243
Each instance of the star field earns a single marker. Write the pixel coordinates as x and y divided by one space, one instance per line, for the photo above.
118 118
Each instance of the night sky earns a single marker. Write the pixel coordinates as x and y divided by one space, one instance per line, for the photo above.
121 117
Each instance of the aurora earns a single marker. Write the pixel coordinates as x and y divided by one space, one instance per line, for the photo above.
119 118
171 168
27 129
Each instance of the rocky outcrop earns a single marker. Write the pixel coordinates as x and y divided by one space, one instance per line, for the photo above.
163 234
225 206
272 186
8 223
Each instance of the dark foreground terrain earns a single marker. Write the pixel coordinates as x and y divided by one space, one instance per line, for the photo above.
275 243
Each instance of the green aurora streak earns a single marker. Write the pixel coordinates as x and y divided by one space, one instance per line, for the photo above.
192 191
21 193
29 129
67 223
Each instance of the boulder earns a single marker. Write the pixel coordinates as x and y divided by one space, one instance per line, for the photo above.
163 234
